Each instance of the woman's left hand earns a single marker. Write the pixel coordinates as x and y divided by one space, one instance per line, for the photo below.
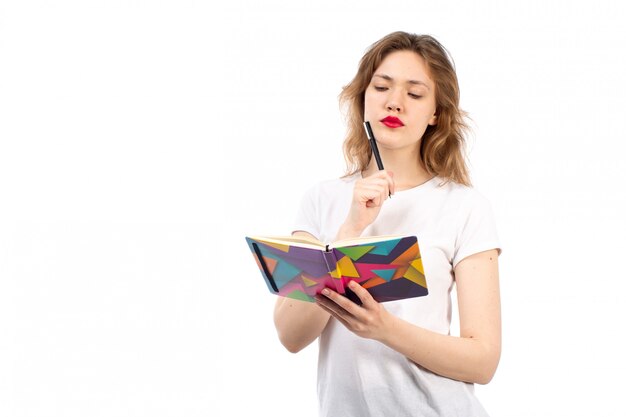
369 320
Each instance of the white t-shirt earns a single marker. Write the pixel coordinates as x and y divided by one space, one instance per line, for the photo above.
362 377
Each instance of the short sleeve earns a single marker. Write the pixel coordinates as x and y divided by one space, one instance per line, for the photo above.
307 218
477 231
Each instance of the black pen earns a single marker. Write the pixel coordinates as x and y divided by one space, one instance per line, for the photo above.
372 141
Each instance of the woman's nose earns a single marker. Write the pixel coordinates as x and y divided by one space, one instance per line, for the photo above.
393 107
393 103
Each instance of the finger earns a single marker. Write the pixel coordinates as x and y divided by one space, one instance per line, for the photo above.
385 179
329 305
392 183
366 298
369 190
341 301
334 314
389 183
333 308
372 184
376 201
376 193
384 174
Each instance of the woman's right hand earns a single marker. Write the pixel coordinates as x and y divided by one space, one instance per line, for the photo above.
367 199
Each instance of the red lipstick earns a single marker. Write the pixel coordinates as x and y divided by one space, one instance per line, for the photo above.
392 122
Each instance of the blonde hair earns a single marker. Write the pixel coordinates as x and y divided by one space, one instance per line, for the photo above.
442 148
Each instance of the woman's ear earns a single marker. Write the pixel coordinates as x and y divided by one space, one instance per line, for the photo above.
433 120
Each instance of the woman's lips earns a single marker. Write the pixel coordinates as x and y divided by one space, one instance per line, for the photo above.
392 122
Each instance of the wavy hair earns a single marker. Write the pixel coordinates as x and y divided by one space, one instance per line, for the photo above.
442 148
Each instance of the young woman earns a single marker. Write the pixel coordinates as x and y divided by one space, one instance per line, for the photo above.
398 358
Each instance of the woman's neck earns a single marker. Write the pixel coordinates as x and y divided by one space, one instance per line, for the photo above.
407 171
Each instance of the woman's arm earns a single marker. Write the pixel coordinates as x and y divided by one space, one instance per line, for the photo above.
472 357
298 323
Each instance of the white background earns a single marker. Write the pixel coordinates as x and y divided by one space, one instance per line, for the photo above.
140 141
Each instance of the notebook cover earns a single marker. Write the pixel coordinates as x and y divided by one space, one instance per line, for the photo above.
389 270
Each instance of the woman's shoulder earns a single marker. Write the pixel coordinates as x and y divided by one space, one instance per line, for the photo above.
466 195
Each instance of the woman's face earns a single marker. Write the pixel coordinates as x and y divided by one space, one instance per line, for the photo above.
400 101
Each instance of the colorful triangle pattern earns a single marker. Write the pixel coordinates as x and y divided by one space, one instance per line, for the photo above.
385 274
390 270
355 252
385 248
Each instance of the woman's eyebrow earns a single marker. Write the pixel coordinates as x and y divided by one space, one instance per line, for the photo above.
414 82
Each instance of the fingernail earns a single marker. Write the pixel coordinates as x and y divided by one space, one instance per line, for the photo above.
325 291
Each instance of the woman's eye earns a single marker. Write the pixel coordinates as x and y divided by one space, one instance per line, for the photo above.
415 96
378 88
